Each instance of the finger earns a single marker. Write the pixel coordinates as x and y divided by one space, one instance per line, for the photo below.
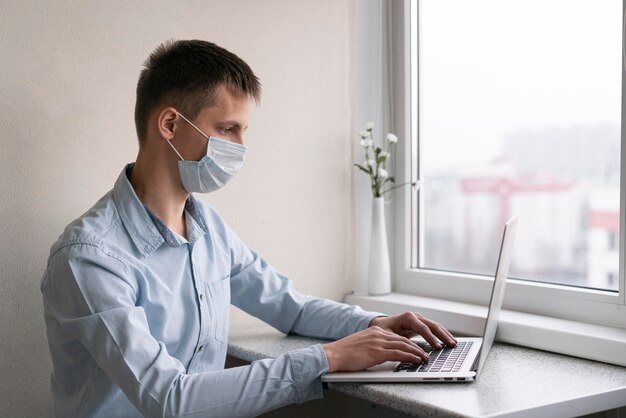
391 339
411 324
451 336
443 334
399 355
421 328
392 336
437 329
407 346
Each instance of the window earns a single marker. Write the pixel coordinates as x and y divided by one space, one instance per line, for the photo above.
502 107
516 108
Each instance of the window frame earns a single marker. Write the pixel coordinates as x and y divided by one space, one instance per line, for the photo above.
603 308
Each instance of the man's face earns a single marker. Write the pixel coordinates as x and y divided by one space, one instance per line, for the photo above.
226 119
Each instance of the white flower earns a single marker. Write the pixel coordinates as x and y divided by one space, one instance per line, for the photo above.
382 173
369 126
392 138
371 163
384 155
367 143
364 134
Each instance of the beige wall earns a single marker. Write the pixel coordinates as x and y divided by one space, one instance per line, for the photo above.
67 76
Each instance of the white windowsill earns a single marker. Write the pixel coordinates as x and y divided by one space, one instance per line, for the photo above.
577 339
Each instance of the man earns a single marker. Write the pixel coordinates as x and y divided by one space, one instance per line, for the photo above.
137 290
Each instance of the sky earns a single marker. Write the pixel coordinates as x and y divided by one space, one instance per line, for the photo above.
489 68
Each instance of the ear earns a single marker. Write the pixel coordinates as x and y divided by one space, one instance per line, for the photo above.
167 123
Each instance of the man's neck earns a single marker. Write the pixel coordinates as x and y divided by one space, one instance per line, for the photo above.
160 191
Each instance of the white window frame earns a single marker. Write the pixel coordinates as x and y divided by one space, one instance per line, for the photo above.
541 315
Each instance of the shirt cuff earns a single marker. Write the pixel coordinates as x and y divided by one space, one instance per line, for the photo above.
307 367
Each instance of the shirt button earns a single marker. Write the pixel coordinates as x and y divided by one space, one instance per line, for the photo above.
201 296
200 348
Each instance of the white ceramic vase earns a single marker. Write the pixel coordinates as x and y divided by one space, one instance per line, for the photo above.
378 274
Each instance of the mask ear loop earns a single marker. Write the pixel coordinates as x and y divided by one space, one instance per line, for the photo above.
178 153
194 126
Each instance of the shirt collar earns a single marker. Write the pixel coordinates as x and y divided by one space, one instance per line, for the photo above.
196 227
146 230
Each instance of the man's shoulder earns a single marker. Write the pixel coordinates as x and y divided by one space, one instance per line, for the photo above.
92 227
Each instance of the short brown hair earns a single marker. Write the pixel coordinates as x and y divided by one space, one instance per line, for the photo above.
187 73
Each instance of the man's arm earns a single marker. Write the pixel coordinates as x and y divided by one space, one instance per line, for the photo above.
90 295
261 291
364 338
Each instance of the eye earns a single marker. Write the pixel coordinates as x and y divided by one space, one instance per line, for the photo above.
224 131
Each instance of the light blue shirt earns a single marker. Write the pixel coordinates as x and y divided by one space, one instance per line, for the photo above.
137 317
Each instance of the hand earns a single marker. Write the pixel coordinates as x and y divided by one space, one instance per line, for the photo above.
410 324
370 347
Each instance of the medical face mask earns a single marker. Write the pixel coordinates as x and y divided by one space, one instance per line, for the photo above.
222 162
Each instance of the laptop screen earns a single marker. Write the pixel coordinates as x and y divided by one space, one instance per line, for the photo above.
497 292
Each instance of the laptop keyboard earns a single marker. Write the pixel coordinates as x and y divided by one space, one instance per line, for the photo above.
445 360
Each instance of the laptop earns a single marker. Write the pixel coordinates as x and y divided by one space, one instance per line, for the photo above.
462 363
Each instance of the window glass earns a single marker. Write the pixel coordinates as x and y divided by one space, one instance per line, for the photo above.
520 112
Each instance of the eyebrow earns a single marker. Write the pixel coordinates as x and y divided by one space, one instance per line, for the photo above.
233 123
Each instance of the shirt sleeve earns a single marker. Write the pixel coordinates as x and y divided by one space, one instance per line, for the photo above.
258 289
89 292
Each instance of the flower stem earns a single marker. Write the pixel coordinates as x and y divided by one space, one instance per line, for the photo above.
396 186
